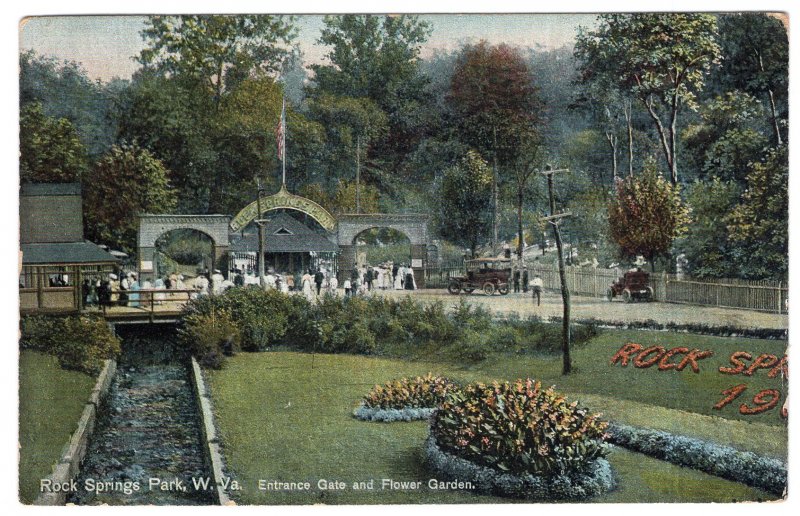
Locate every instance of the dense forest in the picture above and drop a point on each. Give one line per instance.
(673, 128)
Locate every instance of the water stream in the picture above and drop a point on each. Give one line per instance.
(146, 446)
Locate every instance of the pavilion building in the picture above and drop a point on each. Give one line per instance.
(290, 246)
(56, 259)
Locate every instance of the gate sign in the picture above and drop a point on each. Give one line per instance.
(283, 200)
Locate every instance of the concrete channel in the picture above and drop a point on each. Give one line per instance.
(148, 446)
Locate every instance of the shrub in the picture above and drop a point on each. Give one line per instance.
(421, 392)
(519, 428)
(264, 318)
(209, 337)
(81, 343)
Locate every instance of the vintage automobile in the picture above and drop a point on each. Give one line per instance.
(632, 286)
(488, 274)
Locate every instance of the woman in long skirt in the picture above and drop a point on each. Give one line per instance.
(410, 284)
(307, 290)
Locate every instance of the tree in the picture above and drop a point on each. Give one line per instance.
(216, 51)
(707, 245)
(465, 208)
(496, 107)
(50, 150)
(351, 125)
(646, 215)
(756, 50)
(64, 90)
(661, 59)
(759, 225)
(169, 118)
(125, 182)
(377, 58)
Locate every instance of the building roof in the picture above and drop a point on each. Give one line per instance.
(284, 234)
(49, 189)
(64, 253)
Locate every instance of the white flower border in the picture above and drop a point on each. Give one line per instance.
(722, 461)
(365, 413)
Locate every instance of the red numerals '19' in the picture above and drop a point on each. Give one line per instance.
(763, 401)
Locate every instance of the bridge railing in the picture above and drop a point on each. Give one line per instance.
(149, 301)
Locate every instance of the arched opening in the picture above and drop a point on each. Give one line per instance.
(294, 242)
(186, 252)
(387, 253)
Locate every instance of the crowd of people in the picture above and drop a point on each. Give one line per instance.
(113, 291)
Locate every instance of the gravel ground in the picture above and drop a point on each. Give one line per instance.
(587, 307)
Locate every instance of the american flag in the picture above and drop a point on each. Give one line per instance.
(280, 133)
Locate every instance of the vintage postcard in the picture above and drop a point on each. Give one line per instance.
(403, 259)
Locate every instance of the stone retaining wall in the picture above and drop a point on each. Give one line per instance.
(210, 441)
(68, 465)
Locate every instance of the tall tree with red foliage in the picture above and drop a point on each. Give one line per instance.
(497, 111)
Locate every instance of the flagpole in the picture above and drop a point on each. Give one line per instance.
(283, 136)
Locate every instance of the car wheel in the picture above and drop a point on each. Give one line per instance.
(488, 289)
(626, 296)
(454, 288)
(503, 289)
(609, 294)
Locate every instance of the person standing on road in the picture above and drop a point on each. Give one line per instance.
(537, 284)
(516, 280)
(525, 280)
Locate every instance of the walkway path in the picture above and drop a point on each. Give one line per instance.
(588, 307)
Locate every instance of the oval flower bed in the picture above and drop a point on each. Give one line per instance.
(518, 440)
(404, 399)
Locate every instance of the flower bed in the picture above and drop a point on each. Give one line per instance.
(517, 439)
(404, 399)
(594, 480)
(722, 461)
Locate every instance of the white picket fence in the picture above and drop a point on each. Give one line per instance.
(768, 296)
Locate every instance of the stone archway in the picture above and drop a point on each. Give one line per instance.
(413, 225)
(151, 227)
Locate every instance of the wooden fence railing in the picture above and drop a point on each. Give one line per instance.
(768, 296)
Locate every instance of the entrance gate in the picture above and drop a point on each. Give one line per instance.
(151, 227)
(414, 226)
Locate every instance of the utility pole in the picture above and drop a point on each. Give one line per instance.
(495, 195)
(358, 174)
(554, 219)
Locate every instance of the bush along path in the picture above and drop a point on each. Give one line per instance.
(146, 448)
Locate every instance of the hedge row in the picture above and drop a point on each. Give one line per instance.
(695, 328)
(255, 320)
(722, 461)
(82, 343)
(596, 479)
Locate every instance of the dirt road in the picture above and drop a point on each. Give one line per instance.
(588, 307)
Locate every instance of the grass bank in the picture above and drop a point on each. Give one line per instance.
(285, 416)
(50, 403)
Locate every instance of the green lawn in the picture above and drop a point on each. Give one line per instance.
(50, 404)
(280, 419)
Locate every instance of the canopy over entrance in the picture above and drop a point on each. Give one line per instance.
(283, 200)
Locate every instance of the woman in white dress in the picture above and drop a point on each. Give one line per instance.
(307, 289)
(398, 280)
